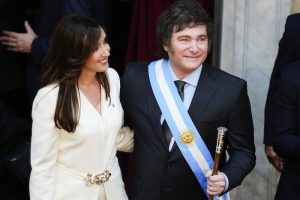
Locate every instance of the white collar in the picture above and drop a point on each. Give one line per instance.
(191, 79)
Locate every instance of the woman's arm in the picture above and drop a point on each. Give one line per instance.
(44, 144)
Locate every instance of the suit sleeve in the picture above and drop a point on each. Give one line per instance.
(79, 7)
(286, 138)
(284, 57)
(39, 48)
(124, 97)
(240, 140)
(44, 145)
(90, 8)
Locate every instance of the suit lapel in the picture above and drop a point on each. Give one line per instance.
(205, 90)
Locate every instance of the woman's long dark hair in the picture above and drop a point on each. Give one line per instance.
(74, 40)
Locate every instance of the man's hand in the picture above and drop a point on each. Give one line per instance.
(273, 158)
(18, 42)
(215, 183)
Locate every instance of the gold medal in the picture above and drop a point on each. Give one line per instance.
(187, 137)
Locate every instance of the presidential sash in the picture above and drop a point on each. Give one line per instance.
(184, 132)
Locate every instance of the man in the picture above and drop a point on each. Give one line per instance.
(164, 166)
(286, 127)
(288, 52)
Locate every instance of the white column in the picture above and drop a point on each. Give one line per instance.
(251, 31)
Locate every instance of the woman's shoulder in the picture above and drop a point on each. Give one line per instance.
(112, 73)
(48, 90)
(46, 94)
(113, 78)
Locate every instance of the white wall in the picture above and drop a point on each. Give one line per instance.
(251, 30)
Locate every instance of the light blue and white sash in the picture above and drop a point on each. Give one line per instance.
(175, 113)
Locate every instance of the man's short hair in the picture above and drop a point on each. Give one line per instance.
(179, 15)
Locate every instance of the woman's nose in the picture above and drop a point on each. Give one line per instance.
(106, 50)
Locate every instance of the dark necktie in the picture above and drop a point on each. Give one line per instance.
(180, 88)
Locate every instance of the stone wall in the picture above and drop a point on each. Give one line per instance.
(251, 31)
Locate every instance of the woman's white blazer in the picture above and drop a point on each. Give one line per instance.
(61, 160)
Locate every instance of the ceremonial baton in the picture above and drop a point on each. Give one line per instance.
(219, 148)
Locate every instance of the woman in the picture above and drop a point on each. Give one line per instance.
(77, 118)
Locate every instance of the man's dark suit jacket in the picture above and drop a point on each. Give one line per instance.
(286, 126)
(220, 99)
(288, 52)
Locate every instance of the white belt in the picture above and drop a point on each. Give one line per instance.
(88, 178)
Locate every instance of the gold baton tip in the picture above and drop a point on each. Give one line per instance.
(220, 139)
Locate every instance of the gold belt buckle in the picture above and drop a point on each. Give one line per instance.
(97, 179)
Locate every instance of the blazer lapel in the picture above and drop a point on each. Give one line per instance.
(205, 90)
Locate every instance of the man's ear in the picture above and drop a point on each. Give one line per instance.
(209, 46)
(166, 48)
